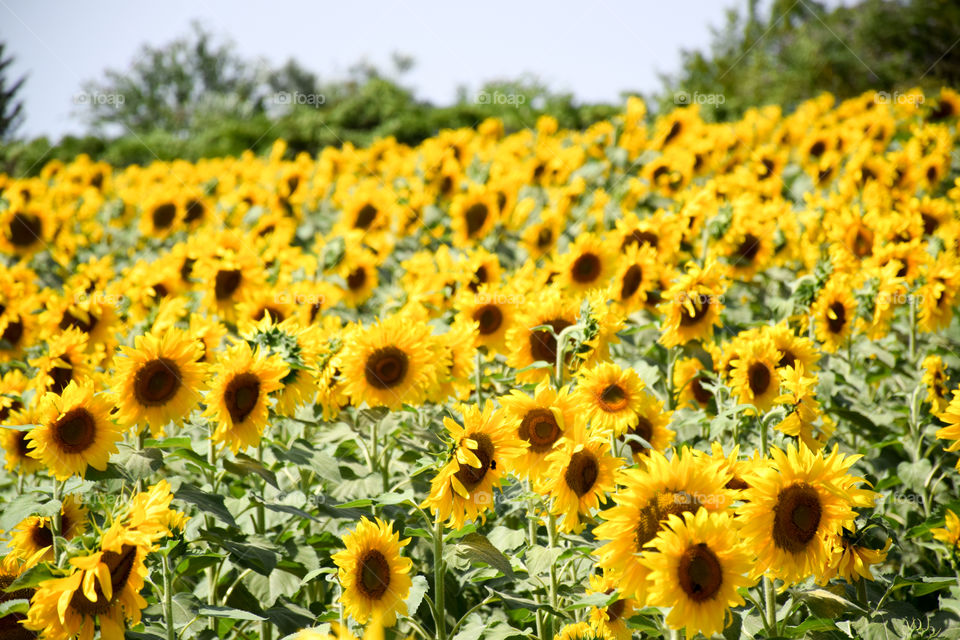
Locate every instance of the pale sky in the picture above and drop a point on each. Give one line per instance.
(592, 49)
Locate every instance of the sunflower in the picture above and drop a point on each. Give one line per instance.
(473, 215)
(651, 426)
(493, 309)
(238, 399)
(802, 408)
(359, 273)
(103, 588)
(692, 305)
(11, 627)
(949, 534)
(539, 421)
(793, 348)
(938, 295)
(834, 312)
(853, 556)
(483, 451)
(646, 497)
(32, 539)
(230, 272)
(583, 631)
(935, 379)
(611, 619)
(159, 380)
(756, 379)
(374, 576)
(610, 398)
(13, 439)
(74, 431)
(299, 348)
(689, 376)
(792, 507)
(390, 363)
(580, 475)
(149, 512)
(588, 264)
(700, 565)
(635, 276)
(65, 361)
(24, 230)
(455, 351)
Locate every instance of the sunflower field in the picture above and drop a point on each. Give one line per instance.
(655, 378)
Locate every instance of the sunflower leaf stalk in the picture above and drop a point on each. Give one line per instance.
(439, 572)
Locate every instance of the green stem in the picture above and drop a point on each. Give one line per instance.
(479, 379)
(862, 592)
(439, 572)
(671, 361)
(552, 541)
(168, 598)
(211, 570)
(913, 328)
(532, 536)
(770, 599)
(56, 522)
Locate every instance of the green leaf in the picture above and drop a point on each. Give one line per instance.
(252, 556)
(179, 442)
(417, 590)
(32, 577)
(478, 549)
(827, 604)
(227, 612)
(209, 502)
(8, 607)
(24, 506)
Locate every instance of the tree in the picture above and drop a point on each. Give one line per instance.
(800, 49)
(172, 86)
(11, 108)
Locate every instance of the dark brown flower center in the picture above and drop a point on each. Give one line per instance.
(644, 429)
(758, 377)
(701, 306)
(25, 229)
(475, 217)
(543, 345)
(76, 431)
(386, 367)
(700, 573)
(61, 376)
(13, 332)
(227, 282)
(640, 238)
(157, 382)
(365, 217)
(582, 472)
(586, 268)
(241, 396)
(657, 510)
(489, 317)
(544, 238)
(539, 427)
(163, 215)
(41, 536)
(839, 319)
(631, 281)
(612, 399)
(10, 627)
(120, 566)
(699, 392)
(195, 210)
(373, 575)
(356, 279)
(796, 517)
(471, 477)
(747, 250)
(70, 320)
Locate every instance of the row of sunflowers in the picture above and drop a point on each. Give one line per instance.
(653, 378)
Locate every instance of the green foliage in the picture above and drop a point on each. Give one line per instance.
(801, 49)
(11, 109)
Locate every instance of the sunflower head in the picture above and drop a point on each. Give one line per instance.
(374, 576)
